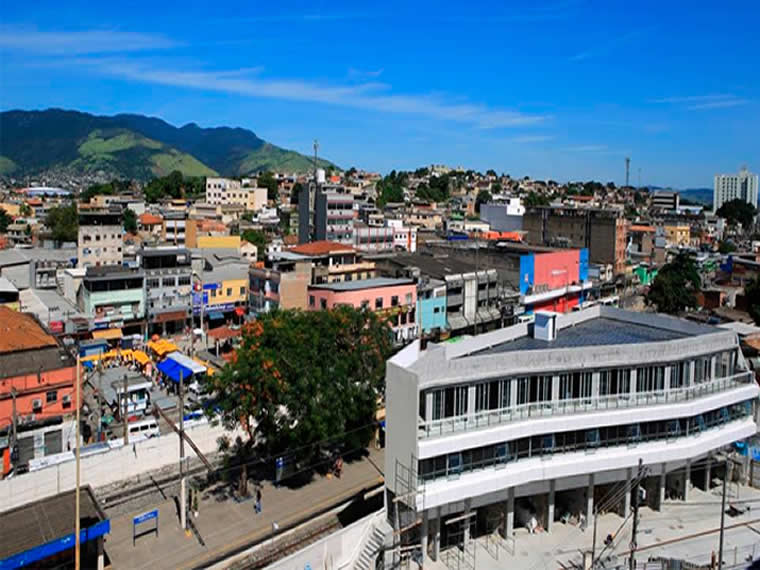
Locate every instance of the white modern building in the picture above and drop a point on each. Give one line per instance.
(531, 424)
(99, 240)
(732, 186)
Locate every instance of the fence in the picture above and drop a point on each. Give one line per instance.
(118, 464)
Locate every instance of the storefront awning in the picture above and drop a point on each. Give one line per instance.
(187, 362)
(177, 365)
(215, 316)
(141, 357)
(162, 346)
(107, 334)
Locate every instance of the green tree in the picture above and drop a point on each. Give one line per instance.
(257, 238)
(130, 221)
(171, 186)
(25, 210)
(752, 298)
(726, 247)
(738, 211)
(5, 221)
(676, 285)
(302, 383)
(63, 222)
(390, 188)
(484, 197)
(536, 199)
(268, 181)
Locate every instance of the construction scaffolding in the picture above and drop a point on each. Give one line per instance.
(404, 506)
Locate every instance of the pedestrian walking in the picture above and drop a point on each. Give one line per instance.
(257, 505)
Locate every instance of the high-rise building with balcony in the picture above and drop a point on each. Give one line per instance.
(168, 287)
(534, 421)
(742, 186)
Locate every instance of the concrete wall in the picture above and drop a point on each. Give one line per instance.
(120, 464)
(402, 410)
(334, 552)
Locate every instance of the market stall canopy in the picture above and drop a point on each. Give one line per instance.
(176, 365)
(107, 334)
(223, 333)
(162, 346)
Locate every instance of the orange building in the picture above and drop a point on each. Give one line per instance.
(36, 365)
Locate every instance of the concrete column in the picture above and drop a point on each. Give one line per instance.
(550, 510)
(687, 480)
(590, 501)
(424, 536)
(708, 472)
(632, 387)
(470, 401)
(435, 555)
(691, 373)
(555, 389)
(713, 366)
(466, 522)
(595, 385)
(667, 379)
(661, 488)
(627, 498)
(513, 393)
(509, 513)
(428, 405)
(101, 563)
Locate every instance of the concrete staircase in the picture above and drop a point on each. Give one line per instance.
(372, 546)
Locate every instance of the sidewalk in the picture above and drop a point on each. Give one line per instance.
(225, 525)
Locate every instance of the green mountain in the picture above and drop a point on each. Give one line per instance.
(133, 146)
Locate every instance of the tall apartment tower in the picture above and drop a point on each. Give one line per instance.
(732, 186)
(307, 203)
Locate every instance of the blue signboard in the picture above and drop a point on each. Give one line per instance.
(145, 517)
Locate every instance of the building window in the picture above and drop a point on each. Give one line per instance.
(51, 397)
(168, 282)
(152, 283)
(379, 303)
(323, 303)
(408, 298)
(365, 304)
(394, 301)
(183, 280)
(229, 291)
(311, 300)
(242, 290)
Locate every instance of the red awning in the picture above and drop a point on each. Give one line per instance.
(239, 311)
(223, 333)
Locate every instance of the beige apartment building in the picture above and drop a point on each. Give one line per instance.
(224, 191)
(602, 231)
(677, 234)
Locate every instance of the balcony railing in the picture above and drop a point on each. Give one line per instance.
(490, 418)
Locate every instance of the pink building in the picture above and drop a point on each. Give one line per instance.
(395, 299)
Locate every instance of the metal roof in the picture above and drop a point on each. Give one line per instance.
(363, 284)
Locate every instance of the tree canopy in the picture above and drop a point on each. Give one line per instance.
(174, 185)
(303, 383)
(752, 297)
(484, 196)
(108, 189)
(5, 220)
(391, 188)
(129, 220)
(268, 181)
(675, 287)
(536, 199)
(437, 189)
(738, 211)
(63, 222)
(257, 238)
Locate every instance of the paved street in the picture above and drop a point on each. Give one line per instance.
(224, 524)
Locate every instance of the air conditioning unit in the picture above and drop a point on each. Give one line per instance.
(36, 404)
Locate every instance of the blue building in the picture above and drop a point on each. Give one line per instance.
(431, 306)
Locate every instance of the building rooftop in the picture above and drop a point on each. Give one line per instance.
(148, 219)
(600, 331)
(19, 331)
(46, 520)
(323, 247)
(363, 284)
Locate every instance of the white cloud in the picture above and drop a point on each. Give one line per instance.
(80, 42)
(703, 102)
(588, 148)
(371, 96)
(364, 74)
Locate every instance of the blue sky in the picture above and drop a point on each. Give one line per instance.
(563, 89)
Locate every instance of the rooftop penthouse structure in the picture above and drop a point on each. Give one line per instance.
(535, 421)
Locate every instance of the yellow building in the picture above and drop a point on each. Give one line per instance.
(677, 234)
(218, 242)
(226, 292)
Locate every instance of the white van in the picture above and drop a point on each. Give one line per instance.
(143, 429)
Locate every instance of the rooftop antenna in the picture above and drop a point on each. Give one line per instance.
(316, 148)
(627, 169)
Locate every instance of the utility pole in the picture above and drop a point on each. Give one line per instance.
(100, 397)
(125, 417)
(183, 482)
(635, 529)
(77, 546)
(627, 170)
(722, 516)
(15, 425)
